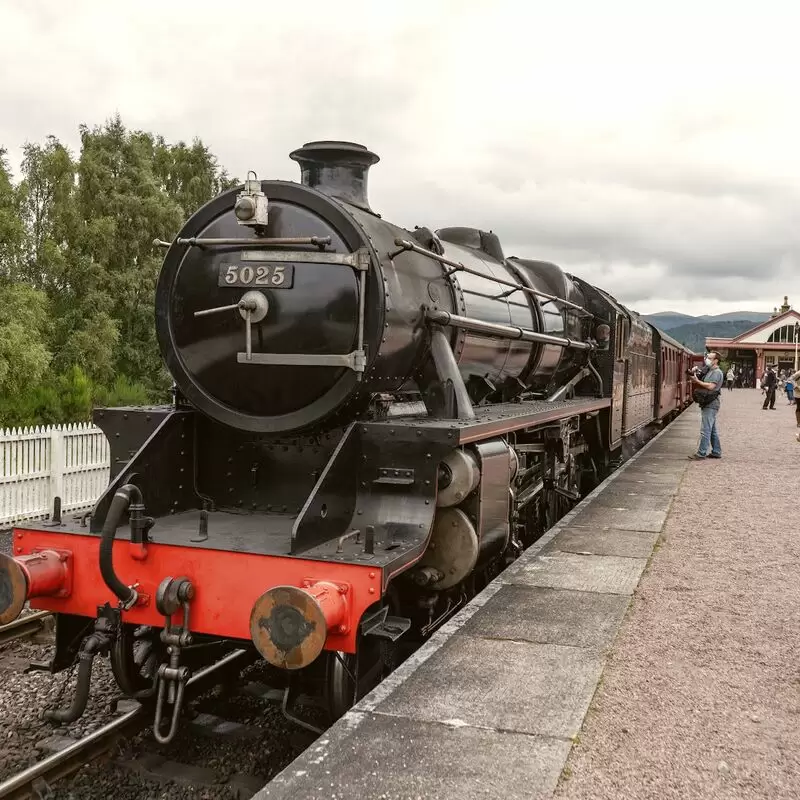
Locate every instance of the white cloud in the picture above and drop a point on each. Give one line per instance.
(655, 147)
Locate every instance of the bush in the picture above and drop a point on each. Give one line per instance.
(35, 405)
(68, 397)
(123, 392)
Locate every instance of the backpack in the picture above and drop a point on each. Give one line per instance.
(704, 397)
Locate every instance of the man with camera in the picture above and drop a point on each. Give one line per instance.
(707, 384)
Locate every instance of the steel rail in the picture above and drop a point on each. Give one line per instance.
(22, 627)
(27, 783)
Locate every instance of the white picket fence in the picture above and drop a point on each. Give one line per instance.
(41, 463)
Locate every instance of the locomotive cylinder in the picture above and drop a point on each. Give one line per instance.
(289, 624)
(43, 574)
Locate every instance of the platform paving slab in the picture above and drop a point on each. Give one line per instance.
(490, 705)
(404, 759)
(585, 573)
(656, 473)
(633, 502)
(650, 488)
(549, 616)
(640, 519)
(502, 685)
(587, 541)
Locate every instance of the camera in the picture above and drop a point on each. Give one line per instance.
(698, 371)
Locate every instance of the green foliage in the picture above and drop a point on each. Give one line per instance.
(59, 399)
(24, 355)
(90, 344)
(78, 269)
(12, 230)
(75, 393)
(37, 404)
(123, 392)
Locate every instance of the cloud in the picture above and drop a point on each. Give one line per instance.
(656, 151)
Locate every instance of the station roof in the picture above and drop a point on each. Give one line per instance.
(760, 334)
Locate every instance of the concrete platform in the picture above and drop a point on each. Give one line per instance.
(491, 705)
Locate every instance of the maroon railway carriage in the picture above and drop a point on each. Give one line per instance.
(674, 361)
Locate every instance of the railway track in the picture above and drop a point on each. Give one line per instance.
(23, 627)
(36, 780)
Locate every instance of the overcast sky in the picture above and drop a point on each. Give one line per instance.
(655, 153)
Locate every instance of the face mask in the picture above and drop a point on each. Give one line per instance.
(708, 362)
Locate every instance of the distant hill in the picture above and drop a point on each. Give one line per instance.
(693, 331)
(737, 316)
(694, 334)
(667, 320)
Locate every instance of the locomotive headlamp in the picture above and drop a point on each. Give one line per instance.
(251, 204)
(245, 208)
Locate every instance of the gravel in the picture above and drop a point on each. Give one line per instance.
(23, 698)
(701, 695)
(270, 744)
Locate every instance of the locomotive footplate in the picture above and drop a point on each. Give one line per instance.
(498, 419)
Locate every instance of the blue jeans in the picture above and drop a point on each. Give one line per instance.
(708, 432)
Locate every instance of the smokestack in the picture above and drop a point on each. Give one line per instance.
(338, 169)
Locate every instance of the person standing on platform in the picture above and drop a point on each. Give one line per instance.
(770, 384)
(796, 383)
(706, 395)
(729, 379)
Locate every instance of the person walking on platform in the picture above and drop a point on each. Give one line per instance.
(706, 395)
(771, 385)
(729, 379)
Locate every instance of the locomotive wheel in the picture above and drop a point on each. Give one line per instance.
(135, 656)
(349, 677)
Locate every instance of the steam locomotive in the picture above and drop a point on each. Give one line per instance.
(368, 424)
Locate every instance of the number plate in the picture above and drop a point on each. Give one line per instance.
(266, 276)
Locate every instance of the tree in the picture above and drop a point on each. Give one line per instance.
(124, 207)
(46, 208)
(12, 230)
(78, 263)
(24, 355)
(190, 176)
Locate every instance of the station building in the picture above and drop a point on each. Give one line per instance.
(771, 343)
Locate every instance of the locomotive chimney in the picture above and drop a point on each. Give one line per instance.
(338, 169)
